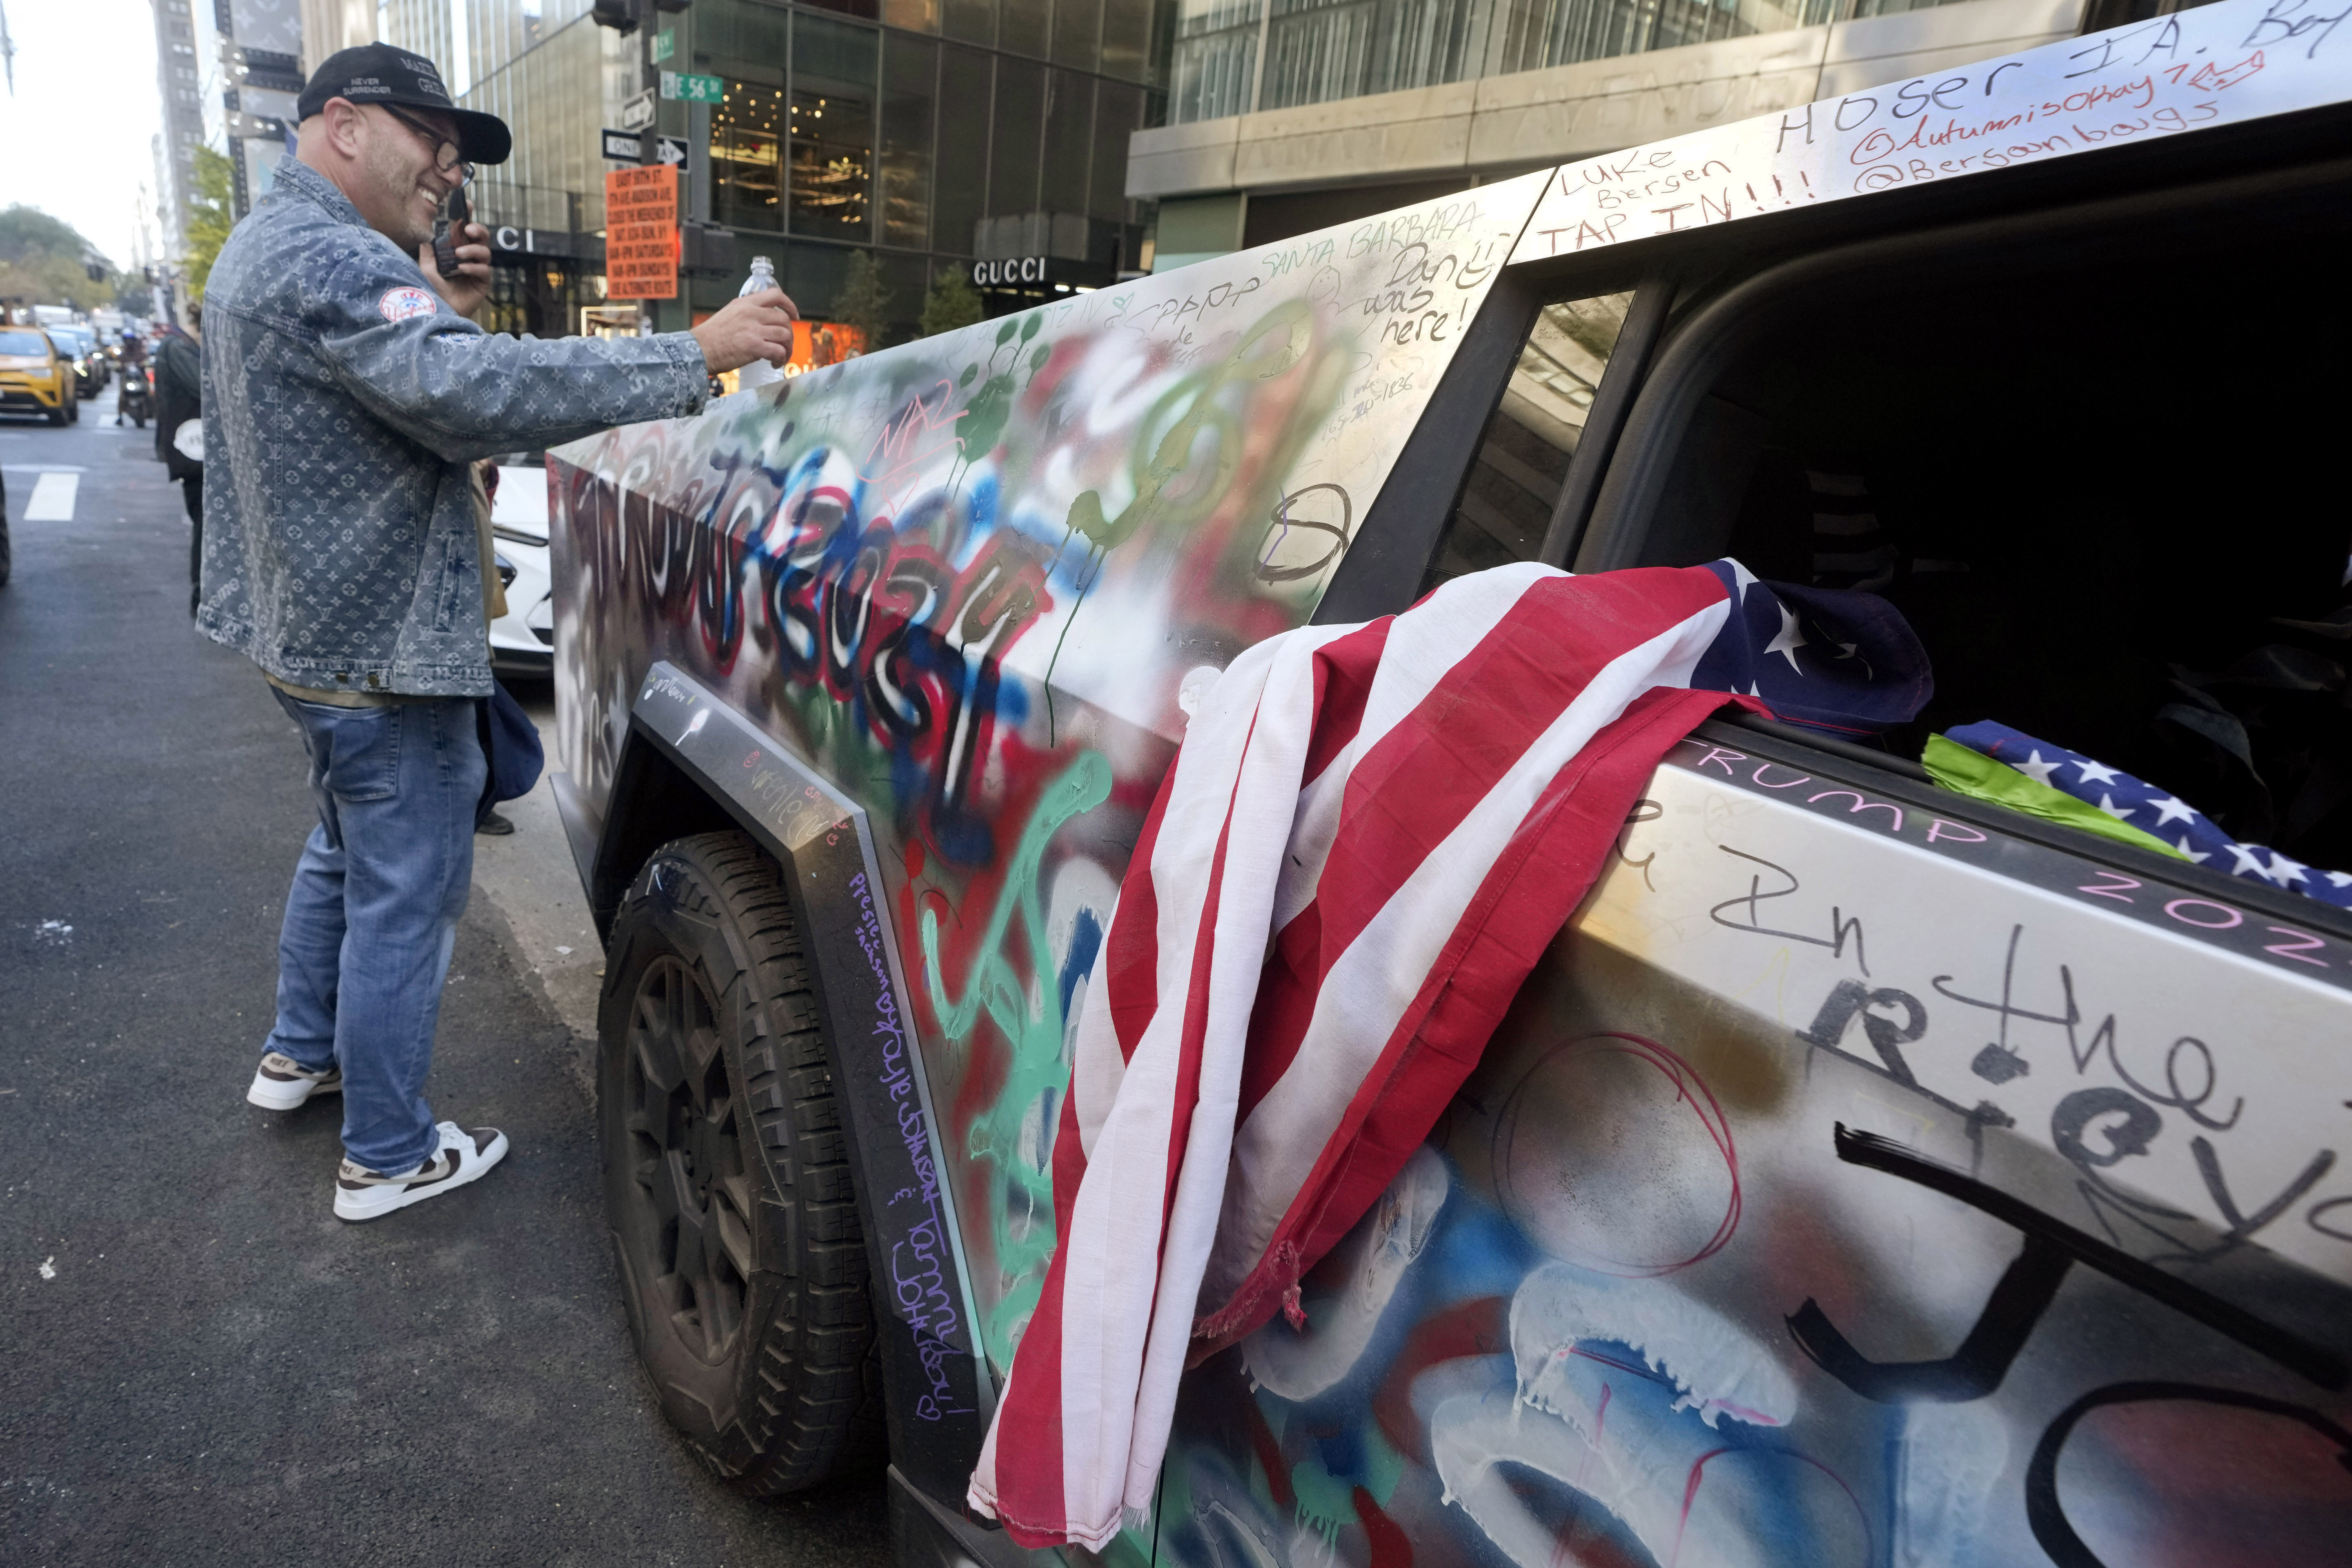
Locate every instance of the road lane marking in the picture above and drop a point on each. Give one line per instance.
(53, 498)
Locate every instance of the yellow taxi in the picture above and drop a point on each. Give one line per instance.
(36, 377)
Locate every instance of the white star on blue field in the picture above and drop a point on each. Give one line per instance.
(2153, 811)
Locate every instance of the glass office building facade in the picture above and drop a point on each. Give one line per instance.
(929, 133)
(1236, 57)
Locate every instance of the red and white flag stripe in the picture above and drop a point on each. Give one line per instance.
(1369, 837)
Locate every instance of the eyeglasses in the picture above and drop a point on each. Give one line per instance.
(447, 157)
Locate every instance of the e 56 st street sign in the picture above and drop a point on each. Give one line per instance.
(686, 86)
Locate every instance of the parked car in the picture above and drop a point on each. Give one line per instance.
(522, 640)
(1869, 1173)
(37, 376)
(91, 367)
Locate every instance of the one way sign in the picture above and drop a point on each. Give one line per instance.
(621, 147)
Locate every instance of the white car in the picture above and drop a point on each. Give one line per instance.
(522, 641)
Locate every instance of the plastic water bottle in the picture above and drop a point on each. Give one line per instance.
(758, 372)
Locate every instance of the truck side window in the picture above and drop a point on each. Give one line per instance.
(1507, 503)
(2090, 551)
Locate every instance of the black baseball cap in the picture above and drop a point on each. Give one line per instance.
(380, 73)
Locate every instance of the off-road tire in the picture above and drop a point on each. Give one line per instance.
(729, 1193)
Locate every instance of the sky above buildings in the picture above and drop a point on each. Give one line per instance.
(76, 131)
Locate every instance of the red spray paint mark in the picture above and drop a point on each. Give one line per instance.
(1474, 1328)
(1690, 1496)
(1269, 1458)
(1600, 1430)
(1389, 1546)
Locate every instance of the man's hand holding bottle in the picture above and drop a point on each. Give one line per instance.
(752, 327)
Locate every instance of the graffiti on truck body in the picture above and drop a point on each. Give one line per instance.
(971, 580)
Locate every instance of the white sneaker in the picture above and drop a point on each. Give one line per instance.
(362, 1194)
(281, 1083)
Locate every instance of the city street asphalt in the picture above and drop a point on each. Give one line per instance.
(203, 1365)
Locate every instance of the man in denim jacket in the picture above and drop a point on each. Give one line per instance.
(345, 395)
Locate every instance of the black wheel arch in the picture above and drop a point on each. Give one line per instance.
(652, 800)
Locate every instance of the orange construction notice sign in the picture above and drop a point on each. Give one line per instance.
(641, 241)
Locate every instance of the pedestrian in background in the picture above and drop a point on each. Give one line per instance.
(179, 404)
(347, 396)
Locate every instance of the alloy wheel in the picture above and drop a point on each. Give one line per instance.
(692, 1163)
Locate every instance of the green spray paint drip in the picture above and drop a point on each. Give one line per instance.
(1027, 1010)
(1325, 1501)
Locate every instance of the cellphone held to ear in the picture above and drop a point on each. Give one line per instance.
(452, 222)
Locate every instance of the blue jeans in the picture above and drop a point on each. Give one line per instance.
(373, 913)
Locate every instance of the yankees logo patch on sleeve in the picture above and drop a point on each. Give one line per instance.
(404, 304)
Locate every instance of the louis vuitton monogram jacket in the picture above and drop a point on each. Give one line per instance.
(343, 401)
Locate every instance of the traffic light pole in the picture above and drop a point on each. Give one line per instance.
(703, 246)
(648, 139)
(648, 82)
